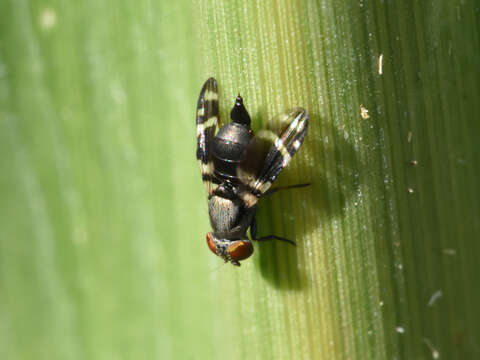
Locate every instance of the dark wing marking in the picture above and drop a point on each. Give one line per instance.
(282, 148)
(207, 120)
(256, 152)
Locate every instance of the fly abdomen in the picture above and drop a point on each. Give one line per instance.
(229, 149)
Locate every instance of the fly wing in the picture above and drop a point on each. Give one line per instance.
(207, 120)
(261, 166)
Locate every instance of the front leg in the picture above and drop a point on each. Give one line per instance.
(253, 234)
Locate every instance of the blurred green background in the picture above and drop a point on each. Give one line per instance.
(103, 215)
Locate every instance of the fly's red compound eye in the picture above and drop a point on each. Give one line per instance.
(240, 250)
(211, 243)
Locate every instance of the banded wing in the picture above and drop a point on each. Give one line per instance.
(207, 120)
(259, 170)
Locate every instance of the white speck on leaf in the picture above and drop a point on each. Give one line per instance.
(48, 19)
(451, 252)
(435, 353)
(364, 112)
(380, 64)
(435, 296)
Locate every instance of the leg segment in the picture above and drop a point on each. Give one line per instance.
(253, 233)
(274, 190)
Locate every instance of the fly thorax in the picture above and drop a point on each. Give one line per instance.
(224, 213)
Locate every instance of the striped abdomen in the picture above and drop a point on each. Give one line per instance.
(229, 149)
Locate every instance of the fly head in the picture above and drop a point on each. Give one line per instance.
(229, 250)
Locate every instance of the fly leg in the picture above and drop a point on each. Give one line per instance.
(274, 190)
(253, 233)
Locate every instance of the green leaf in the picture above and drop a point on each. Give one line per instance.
(103, 214)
